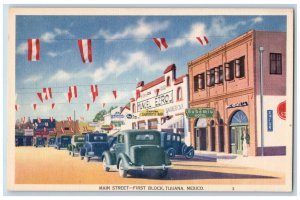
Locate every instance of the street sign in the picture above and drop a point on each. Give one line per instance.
(199, 112)
(156, 112)
(270, 120)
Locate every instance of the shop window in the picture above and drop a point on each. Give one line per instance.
(275, 63)
(229, 71)
(152, 124)
(168, 81)
(240, 67)
(179, 94)
(133, 125)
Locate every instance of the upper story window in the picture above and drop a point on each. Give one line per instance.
(275, 63)
(168, 81)
(179, 94)
(133, 108)
(219, 74)
(229, 71)
(210, 77)
(240, 67)
(199, 82)
(196, 83)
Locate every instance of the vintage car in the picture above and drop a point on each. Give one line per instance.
(51, 142)
(76, 143)
(94, 146)
(137, 150)
(19, 140)
(28, 140)
(39, 141)
(172, 144)
(62, 141)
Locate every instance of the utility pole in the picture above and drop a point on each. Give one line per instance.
(261, 50)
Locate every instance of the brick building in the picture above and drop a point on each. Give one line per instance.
(227, 79)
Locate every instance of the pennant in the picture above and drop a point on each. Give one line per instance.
(52, 105)
(62, 130)
(203, 40)
(33, 49)
(137, 94)
(157, 91)
(87, 106)
(34, 106)
(72, 130)
(51, 119)
(161, 43)
(94, 91)
(47, 93)
(85, 48)
(115, 93)
(72, 92)
(39, 94)
(23, 120)
(17, 107)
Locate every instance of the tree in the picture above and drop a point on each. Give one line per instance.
(100, 116)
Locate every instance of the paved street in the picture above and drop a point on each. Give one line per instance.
(51, 166)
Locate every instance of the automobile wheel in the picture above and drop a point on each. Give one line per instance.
(69, 153)
(72, 153)
(122, 171)
(162, 173)
(87, 159)
(104, 165)
(183, 149)
(81, 157)
(189, 154)
(171, 153)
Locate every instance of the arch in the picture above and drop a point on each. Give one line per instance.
(168, 81)
(238, 118)
(200, 123)
(179, 93)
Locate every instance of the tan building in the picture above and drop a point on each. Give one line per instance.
(227, 80)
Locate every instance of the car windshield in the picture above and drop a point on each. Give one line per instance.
(79, 139)
(65, 138)
(97, 138)
(144, 137)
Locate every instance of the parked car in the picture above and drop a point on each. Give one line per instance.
(137, 150)
(28, 140)
(95, 144)
(51, 142)
(19, 140)
(77, 142)
(173, 145)
(39, 141)
(62, 141)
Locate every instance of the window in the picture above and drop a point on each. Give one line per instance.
(229, 71)
(220, 74)
(210, 77)
(168, 81)
(196, 83)
(201, 81)
(275, 63)
(179, 94)
(121, 139)
(178, 139)
(133, 108)
(240, 67)
(144, 137)
(66, 128)
(168, 137)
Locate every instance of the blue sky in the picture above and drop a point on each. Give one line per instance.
(123, 54)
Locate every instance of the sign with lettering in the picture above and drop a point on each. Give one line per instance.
(160, 100)
(199, 112)
(174, 108)
(270, 120)
(117, 115)
(157, 112)
(131, 116)
(117, 123)
(241, 104)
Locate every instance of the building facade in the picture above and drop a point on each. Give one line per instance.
(168, 95)
(227, 79)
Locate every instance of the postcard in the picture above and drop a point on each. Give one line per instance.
(150, 99)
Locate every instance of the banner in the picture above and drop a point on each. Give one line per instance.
(156, 112)
(199, 112)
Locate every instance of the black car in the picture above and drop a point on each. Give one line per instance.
(62, 141)
(39, 141)
(173, 145)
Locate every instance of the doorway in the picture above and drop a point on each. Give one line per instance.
(201, 134)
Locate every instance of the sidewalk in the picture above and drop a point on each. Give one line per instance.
(272, 163)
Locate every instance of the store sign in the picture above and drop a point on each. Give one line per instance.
(270, 120)
(174, 108)
(160, 100)
(199, 112)
(117, 123)
(106, 127)
(117, 115)
(281, 110)
(130, 116)
(93, 124)
(157, 112)
(240, 104)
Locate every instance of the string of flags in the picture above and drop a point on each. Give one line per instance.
(85, 47)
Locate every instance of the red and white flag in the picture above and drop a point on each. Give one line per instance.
(52, 105)
(39, 120)
(161, 43)
(51, 119)
(23, 120)
(34, 106)
(115, 93)
(39, 94)
(17, 107)
(87, 106)
(94, 91)
(85, 48)
(69, 119)
(157, 91)
(62, 129)
(47, 93)
(72, 130)
(72, 92)
(33, 49)
(203, 40)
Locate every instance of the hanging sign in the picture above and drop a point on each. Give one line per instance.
(156, 112)
(160, 100)
(199, 112)
(240, 104)
(270, 120)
